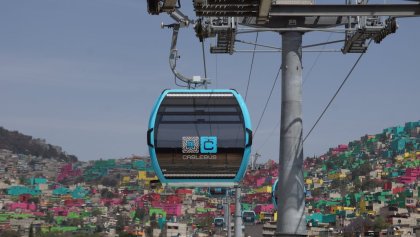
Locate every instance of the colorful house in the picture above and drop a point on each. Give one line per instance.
(322, 218)
(18, 190)
(21, 205)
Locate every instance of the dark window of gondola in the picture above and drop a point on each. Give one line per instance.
(202, 116)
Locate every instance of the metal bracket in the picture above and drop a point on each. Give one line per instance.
(173, 57)
(368, 28)
(182, 21)
(224, 28)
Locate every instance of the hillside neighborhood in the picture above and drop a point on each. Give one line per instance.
(368, 187)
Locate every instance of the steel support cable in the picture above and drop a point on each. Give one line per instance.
(255, 44)
(315, 62)
(250, 69)
(204, 59)
(269, 136)
(216, 67)
(279, 49)
(266, 103)
(335, 94)
(217, 70)
(306, 77)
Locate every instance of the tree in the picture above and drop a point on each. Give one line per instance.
(409, 147)
(352, 200)
(153, 221)
(357, 185)
(380, 223)
(125, 234)
(368, 184)
(316, 192)
(75, 222)
(121, 223)
(105, 193)
(140, 214)
(335, 184)
(205, 221)
(34, 200)
(329, 165)
(31, 230)
(9, 233)
(96, 212)
(148, 231)
(49, 217)
(22, 180)
(124, 200)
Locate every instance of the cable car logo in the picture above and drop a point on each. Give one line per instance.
(208, 145)
(194, 145)
(190, 145)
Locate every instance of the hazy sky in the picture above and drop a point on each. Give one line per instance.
(84, 75)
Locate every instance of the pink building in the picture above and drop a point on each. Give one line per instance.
(22, 205)
(398, 190)
(38, 213)
(183, 191)
(260, 181)
(173, 199)
(74, 202)
(411, 175)
(173, 209)
(68, 171)
(264, 208)
(24, 197)
(170, 209)
(340, 148)
(60, 211)
(274, 172)
(111, 201)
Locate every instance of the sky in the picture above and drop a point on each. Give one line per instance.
(85, 74)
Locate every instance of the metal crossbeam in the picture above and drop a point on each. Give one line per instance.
(237, 10)
(263, 11)
(396, 10)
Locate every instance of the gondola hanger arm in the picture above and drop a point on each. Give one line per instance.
(182, 21)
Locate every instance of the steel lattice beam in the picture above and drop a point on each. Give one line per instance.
(397, 10)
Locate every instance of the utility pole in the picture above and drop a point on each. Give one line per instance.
(238, 214)
(291, 197)
(227, 214)
(254, 159)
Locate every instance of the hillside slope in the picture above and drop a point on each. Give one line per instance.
(27, 145)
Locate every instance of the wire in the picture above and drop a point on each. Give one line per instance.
(250, 69)
(280, 49)
(335, 94)
(266, 103)
(204, 59)
(306, 77)
(217, 70)
(269, 136)
(255, 44)
(315, 62)
(179, 84)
